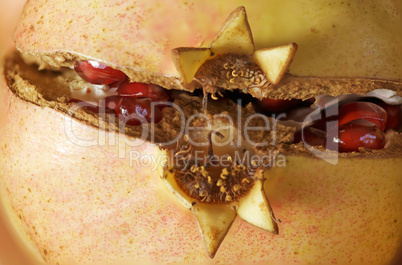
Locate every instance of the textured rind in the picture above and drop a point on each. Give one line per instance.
(335, 39)
(304, 88)
(77, 201)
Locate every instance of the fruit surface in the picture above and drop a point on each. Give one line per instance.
(80, 202)
(315, 25)
(343, 194)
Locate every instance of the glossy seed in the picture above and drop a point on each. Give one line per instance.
(360, 133)
(97, 73)
(363, 110)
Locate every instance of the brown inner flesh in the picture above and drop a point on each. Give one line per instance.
(32, 85)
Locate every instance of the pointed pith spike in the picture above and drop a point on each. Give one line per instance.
(256, 210)
(214, 222)
(189, 60)
(235, 36)
(275, 61)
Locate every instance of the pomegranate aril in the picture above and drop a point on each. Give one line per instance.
(118, 83)
(132, 89)
(277, 105)
(97, 73)
(85, 105)
(310, 136)
(326, 119)
(363, 110)
(133, 111)
(89, 107)
(394, 119)
(360, 133)
(141, 90)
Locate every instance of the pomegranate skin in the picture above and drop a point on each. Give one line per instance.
(83, 204)
(142, 33)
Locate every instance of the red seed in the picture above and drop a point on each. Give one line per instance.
(277, 105)
(311, 136)
(141, 90)
(133, 111)
(394, 112)
(97, 73)
(97, 109)
(360, 133)
(326, 119)
(363, 110)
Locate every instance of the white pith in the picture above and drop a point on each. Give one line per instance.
(93, 93)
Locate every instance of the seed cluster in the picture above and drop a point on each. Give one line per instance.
(215, 186)
(230, 71)
(207, 183)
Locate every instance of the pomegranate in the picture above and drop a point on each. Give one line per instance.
(360, 124)
(360, 133)
(394, 114)
(363, 110)
(118, 214)
(277, 105)
(133, 102)
(141, 90)
(80, 190)
(98, 73)
(311, 136)
(133, 111)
